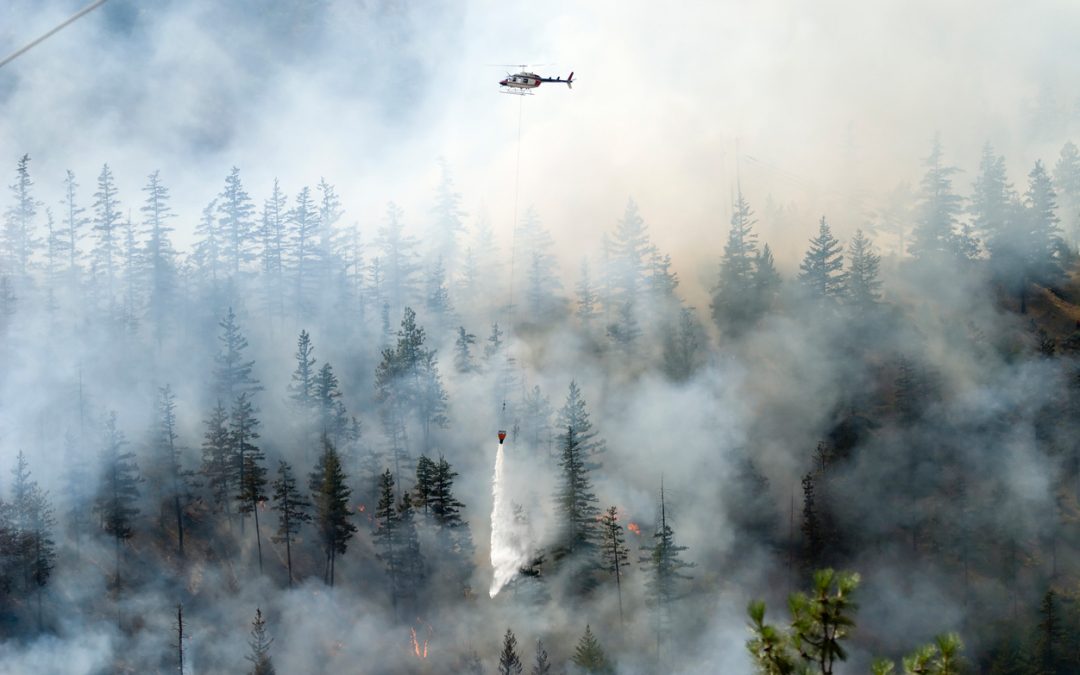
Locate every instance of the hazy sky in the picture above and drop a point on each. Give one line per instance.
(827, 99)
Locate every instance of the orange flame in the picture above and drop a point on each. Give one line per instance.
(361, 508)
(421, 652)
(633, 527)
(262, 504)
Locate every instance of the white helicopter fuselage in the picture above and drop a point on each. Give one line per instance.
(522, 81)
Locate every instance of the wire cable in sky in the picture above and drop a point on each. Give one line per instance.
(67, 22)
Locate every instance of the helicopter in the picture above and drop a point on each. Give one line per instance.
(522, 82)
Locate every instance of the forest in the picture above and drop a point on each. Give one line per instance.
(274, 451)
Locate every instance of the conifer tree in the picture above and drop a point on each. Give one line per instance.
(302, 388)
(936, 233)
(541, 666)
(1050, 650)
(542, 284)
(1067, 185)
(863, 284)
(821, 271)
(463, 358)
(577, 513)
(19, 239)
(106, 221)
(116, 503)
(236, 222)
(438, 297)
(28, 540)
(209, 251)
(536, 420)
(232, 374)
(509, 663)
(274, 250)
(74, 222)
(992, 200)
(447, 223)
(384, 530)
(170, 459)
(684, 346)
(218, 466)
(732, 301)
(333, 420)
(494, 342)
(260, 647)
(765, 282)
(304, 221)
(330, 496)
(251, 477)
(663, 569)
(629, 255)
(587, 298)
(821, 620)
(398, 260)
(589, 655)
(292, 507)
(575, 415)
(160, 255)
(1042, 231)
(614, 554)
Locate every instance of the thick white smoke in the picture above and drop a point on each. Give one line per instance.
(509, 545)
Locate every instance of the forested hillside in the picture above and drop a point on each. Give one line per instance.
(277, 444)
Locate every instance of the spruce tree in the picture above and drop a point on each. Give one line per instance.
(821, 271)
(663, 570)
(541, 666)
(684, 346)
(587, 298)
(333, 420)
(117, 500)
(732, 300)
(304, 221)
(1067, 185)
(577, 514)
(992, 200)
(494, 342)
(292, 507)
(463, 358)
(937, 235)
(106, 222)
(251, 474)
(260, 647)
(302, 388)
(438, 301)
(614, 554)
(765, 282)
(575, 415)
(1043, 234)
(384, 530)
(74, 222)
(542, 284)
(236, 222)
(589, 655)
(232, 374)
(863, 284)
(509, 663)
(19, 239)
(208, 253)
(330, 495)
(218, 466)
(28, 541)
(398, 260)
(274, 251)
(170, 459)
(160, 255)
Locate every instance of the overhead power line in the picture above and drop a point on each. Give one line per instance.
(67, 22)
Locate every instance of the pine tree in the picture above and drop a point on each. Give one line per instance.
(813, 536)
(160, 255)
(292, 507)
(1043, 234)
(732, 301)
(575, 415)
(398, 259)
(577, 513)
(821, 620)
(1050, 651)
(260, 647)
(936, 233)
(236, 222)
(615, 556)
(208, 254)
(333, 420)
(821, 271)
(992, 200)
(463, 358)
(587, 299)
(304, 219)
(863, 284)
(74, 222)
(330, 212)
(251, 476)
(274, 250)
(684, 346)
(106, 221)
(19, 240)
(589, 655)
(29, 535)
(170, 458)
(384, 530)
(330, 495)
(541, 666)
(116, 503)
(765, 282)
(302, 388)
(630, 252)
(217, 461)
(509, 663)
(663, 572)
(232, 374)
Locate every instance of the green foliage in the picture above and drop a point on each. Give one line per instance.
(292, 507)
(330, 496)
(589, 655)
(509, 663)
(821, 271)
(260, 647)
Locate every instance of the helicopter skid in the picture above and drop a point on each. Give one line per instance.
(516, 93)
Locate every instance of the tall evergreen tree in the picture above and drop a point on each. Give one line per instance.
(614, 554)
(107, 220)
(260, 647)
(937, 233)
(303, 249)
(684, 346)
(447, 224)
(30, 540)
(589, 655)
(463, 358)
(575, 415)
(542, 284)
(992, 199)
(232, 374)
(732, 300)
(398, 260)
(663, 569)
(208, 255)
(1043, 233)
(217, 460)
(822, 269)
(19, 239)
(587, 298)
(333, 420)
(177, 479)
(330, 495)
(248, 459)
(292, 507)
(118, 494)
(302, 388)
(577, 514)
(541, 666)
(438, 296)
(863, 284)
(74, 222)
(509, 663)
(236, 221)
(629, 256)
(1067, 185)
(160, 255)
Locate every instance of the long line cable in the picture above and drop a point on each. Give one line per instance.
(67, 22)
(513, 253)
